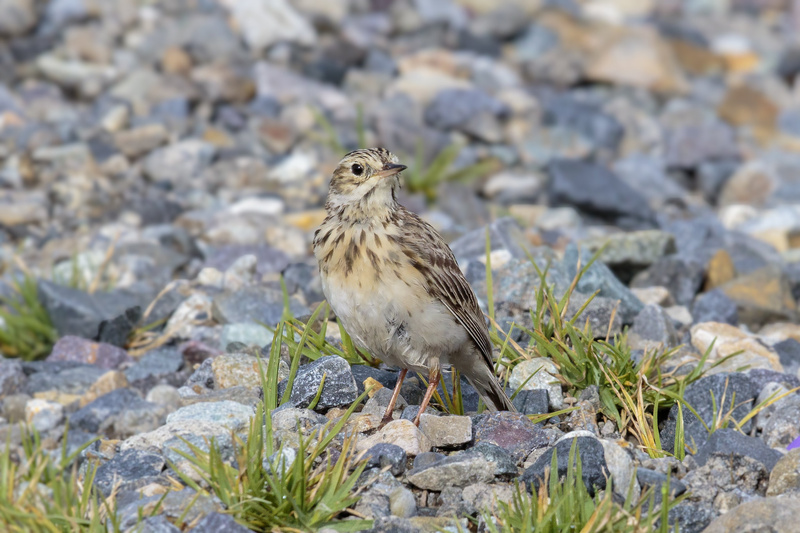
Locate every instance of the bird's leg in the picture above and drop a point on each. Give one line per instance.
(387, 417)
(433, 382)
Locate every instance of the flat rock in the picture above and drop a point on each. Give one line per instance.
(512, 432)
(446, 431)
(768, 514)
(231, 415)
(130, 469)
(459, 470)
(728, 442)
(339, 388)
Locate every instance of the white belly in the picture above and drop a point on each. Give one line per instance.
(402, 327)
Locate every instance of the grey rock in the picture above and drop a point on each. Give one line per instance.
(216, 522)
(75, 312)
(100, 413)
(504, 463)
(513, 432)
(156, 524)
(788, 351)
(12, 377)
(155, 364)
(14, 407)
(768, 514)
(592, 457)
(647, 175)
(596, 191)
(338, 390)
(425, 459)
(650, 478)
(131, 468)
(691, 517)
(681, 275)
(690, 145)
(383, 454)
(70, 378)
(764, 376)
(201, 380)
(599, 128)
(782, 424)
(785, 475)
(402, 502)
(598, 313)
(456, 108)
(232, 415)
(269, 259)
(115, 331)
(184, 504)
(698, 395)
(254, 305)
(457, 470)
(715, 306)
(653, 328)
(80, 350)
(530, 402)
(17, 17)
(728, 442)
(179, 163)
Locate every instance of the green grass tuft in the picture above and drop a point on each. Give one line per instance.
(25, 327)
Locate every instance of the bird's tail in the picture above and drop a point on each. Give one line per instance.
(490, 389)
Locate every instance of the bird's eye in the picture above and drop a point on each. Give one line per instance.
(357, 169)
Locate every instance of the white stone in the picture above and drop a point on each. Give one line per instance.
(542, 379)
(401, 433)
(43, 414)
(263, 23)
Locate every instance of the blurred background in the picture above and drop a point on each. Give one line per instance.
(144, 142)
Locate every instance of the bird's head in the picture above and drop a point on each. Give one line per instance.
(366, 179)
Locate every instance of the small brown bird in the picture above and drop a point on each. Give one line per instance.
(395, 284)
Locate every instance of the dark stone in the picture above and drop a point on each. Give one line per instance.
(595, 190)
(789, 352)
(131, 468)
(302, 277)
(789, 64)
(254, 305)
(426, 459)
(650, 478)
(75, 312)
(530, 402)
(454, 108)
(728, 441)
(12, 377)
(715, 306)
(504, 462)
(681, 275)
(91, 416)
(513, 432)
(654, 325)
(67, 377)
(592, 457)
(739, 392)
(117, 330)
(713, 175)
(762, 376)
(80, 350)
(589, 121)
(156, 364)
(688, 146)
(338, 390)
(383, 455)
(385, 377)
(218, 522)
(691, 517)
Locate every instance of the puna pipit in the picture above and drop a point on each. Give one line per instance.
(395, 284)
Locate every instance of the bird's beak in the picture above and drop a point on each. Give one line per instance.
(389, 170)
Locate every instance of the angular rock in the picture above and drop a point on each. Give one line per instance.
(339, 388)
(458, 470)
(595, 190)
(155, 364)
(698, 395)
(80, 350)
(762, 296)
(653, 330)
(254, 305)
(728, 442)
(531, 402)
(236, 369)
(12, 377)
(232, 415)
(538, 373)
(215, 522)
(179, 163)
(446, 431)
(681, 275)
(715, 306)
(43, 415)
(130, 469)
(592, 457)
(512, 432)
(384, 454)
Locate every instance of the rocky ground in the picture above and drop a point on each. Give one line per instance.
(163, 165)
